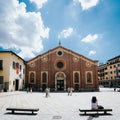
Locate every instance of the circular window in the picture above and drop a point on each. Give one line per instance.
(59, 64)
(59, 53)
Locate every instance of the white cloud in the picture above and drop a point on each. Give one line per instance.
(25, 51)
(87, 4)
(90, 38)
(39, 3)
(92, 52)
(21, 30)
(66, 33)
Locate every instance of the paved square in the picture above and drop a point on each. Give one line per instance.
(59, 106)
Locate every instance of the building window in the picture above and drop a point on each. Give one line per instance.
(20, 67)
(106, 73)
(17, 68)
(89, 77)
(14, 65)
(17, 65)
(60, 64)
(44, 77)
(24, 71)
(1, 79)
(76, 78)
(1, 64)
(23, 81)
(1, 82)
(32, 77)
(110, 67)
(59, 53)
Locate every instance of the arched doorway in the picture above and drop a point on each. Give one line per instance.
(60, 81)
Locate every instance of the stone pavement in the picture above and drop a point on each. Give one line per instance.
(58, 106)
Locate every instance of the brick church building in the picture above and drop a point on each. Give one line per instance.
(61, 68)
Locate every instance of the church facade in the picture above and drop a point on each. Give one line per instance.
(60, 69)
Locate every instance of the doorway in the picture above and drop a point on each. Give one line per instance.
(44, 87)
(60, 85)
(16, 84)
(60, 81)
(76, 86)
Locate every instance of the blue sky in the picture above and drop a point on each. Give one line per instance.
(88, 27)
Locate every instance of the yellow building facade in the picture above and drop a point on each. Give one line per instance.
(12, 71)
(109, 73)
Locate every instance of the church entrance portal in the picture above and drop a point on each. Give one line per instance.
(60, 81)
(60, 85)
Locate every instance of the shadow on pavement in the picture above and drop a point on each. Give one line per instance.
(90, 118)
(9, 113)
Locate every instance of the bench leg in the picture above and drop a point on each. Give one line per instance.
(84, 113)
(32, 112)
(97, 112)
(105, 112)
(12, 111)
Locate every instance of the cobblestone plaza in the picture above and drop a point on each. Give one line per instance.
(58, 106)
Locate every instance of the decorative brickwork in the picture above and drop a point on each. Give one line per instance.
(62, 68)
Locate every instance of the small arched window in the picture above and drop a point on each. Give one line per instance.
(32, 77)
(44, 77)
(89, 77)
(76, 78)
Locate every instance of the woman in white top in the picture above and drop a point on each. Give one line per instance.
(94, 103)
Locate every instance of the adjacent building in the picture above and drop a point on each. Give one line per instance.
(109, 73)
(61, 68)
(12, 71)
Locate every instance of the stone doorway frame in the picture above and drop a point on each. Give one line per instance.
(60, 76)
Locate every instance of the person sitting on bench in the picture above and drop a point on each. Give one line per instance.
(94, 104)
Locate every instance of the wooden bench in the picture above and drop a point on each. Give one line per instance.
(23, 109)
(95, 111)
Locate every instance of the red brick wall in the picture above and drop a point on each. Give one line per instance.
(70, 65)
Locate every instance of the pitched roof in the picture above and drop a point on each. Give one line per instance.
(13, 53)
(61, 47)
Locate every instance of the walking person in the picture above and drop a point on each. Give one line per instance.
(71, 91)
(30, 89)
(68, 91)
(47, 92)
(27, 89)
